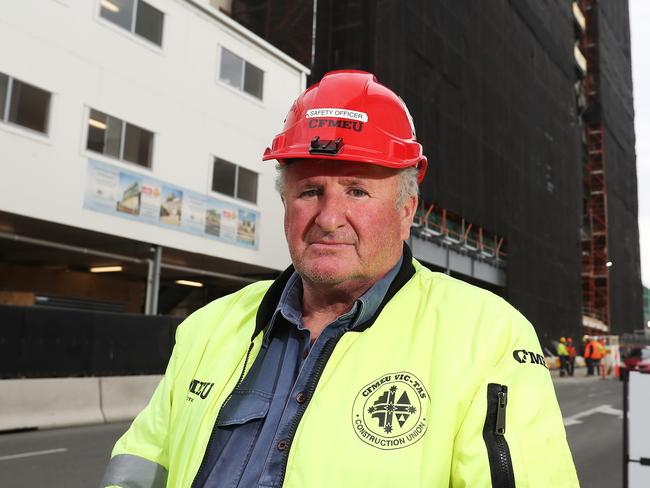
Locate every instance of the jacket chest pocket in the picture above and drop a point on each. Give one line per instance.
(240, 420)
(236, 431)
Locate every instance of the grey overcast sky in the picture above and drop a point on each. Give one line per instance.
(640, 28)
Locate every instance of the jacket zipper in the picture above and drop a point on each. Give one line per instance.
(328, 348)
(199, 473)
(494, 431)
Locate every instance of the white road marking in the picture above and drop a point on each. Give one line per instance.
(606, 409)
(33, 453)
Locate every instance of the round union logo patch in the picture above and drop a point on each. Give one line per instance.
(391, 412)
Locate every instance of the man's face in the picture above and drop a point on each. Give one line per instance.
(341, 221)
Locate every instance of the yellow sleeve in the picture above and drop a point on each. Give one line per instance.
(534, 437)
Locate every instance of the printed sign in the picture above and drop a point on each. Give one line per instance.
(339, 113)
(114, 191)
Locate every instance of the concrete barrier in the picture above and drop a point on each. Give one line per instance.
(122, 397)
(49, 402)
(60, 402)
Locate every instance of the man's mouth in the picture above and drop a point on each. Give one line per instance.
(330, 243)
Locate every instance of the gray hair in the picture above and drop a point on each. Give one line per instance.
(408, 187)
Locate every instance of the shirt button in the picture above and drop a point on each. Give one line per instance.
(283, 444)
(301, 397)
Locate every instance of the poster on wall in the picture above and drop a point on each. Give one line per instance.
(228, 223)
(171, 203)
(246, 226)
(122, 193)
(213, 222)
(193, 213)
(150, 201)
(129, 191)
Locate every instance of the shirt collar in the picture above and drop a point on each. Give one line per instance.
(290, 304)
(371, 299)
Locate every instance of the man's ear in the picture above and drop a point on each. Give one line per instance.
(407, 212)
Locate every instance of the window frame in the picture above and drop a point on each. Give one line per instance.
(4, 116)
(240, 89)
(235, 195)
(130, 32)
(92, 153)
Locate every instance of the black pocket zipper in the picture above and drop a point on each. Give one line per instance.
(494, 431)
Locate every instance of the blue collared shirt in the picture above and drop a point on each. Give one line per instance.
(256, 426)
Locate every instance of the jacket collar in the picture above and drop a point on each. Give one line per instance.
(272, 296)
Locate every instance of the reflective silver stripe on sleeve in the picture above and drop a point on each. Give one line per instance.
(128, 471)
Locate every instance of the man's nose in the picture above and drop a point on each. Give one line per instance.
(331, 212)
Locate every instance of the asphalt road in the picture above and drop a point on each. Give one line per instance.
(58, 458)
(593, 418)
(76, 457)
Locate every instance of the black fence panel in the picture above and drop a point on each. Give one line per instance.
(46, 343)
(131, 344)
(12, 338)
(59, 339)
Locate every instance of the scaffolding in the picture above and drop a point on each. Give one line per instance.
(435, 223)
(595, 260)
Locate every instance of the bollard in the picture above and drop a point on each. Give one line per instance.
(602, 370)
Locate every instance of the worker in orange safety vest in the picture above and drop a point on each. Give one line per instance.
(594, 352)
(571, 366)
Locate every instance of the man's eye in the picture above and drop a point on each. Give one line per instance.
(358, 192)
(313, 192)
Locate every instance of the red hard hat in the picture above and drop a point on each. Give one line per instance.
(349, 116)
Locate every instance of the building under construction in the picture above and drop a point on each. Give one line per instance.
(525, 112)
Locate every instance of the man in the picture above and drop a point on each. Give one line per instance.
(571, 350)
(587, 353)
(597, 354)
(357, 366)
(563, 353)
(594, 352)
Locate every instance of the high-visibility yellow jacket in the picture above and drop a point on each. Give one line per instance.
(446, 387)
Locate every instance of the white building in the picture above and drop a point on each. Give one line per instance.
(131, 135)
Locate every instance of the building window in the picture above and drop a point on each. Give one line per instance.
(24, 104)
(241, 74)
(113, 137)
(233, 180)
(135, 16)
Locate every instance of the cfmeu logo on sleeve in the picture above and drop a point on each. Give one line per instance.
(523, 356)
(200, 388)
